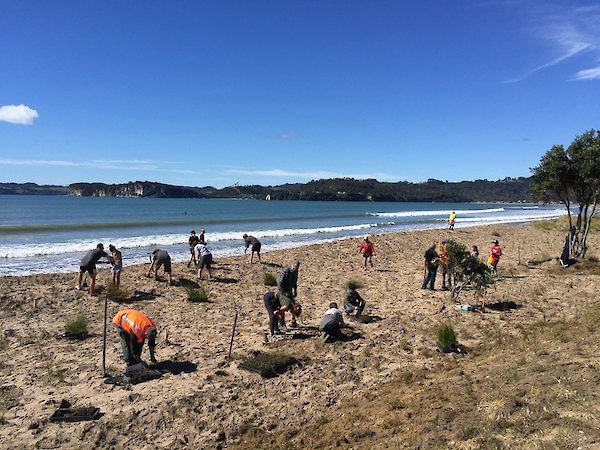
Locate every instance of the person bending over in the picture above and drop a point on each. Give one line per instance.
(134, 328)
(255, 243)
(88, 264)
(160, 258)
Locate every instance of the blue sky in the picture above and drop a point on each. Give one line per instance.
(201, 93)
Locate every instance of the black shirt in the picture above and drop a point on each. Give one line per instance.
(430, 256)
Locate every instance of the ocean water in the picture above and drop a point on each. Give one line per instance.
(50, 234)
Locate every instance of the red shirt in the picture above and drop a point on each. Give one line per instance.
(496, 252)
(367, 249)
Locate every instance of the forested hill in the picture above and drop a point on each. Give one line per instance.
(31, 189)
(339, 189)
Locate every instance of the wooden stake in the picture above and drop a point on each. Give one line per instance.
(104, 337)
(232, 334)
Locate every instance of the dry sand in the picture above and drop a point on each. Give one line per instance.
(387, 388)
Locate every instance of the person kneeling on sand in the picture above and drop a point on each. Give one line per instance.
(134, 328)
(159, 258)
(353, 301)
(204, 256)
(331, 323)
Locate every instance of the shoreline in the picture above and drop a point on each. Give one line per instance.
(218, 398)
(182, 255)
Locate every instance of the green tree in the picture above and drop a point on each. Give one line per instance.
(573, 177)
(465, 270)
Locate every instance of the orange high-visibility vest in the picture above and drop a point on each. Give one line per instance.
(134, 321)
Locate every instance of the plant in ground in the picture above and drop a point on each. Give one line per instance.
(445, 335)
(464, 269)
(269, 279)
(573, 177)
(118, 293)
(198, 294)
(77, 325)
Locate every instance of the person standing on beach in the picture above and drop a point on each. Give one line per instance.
(353, 301)
(444, 261)
(192, 241)
(368, 251)
(160, 258)
(431, 262)
(202, 239)
(451, 220)
(117, 265)
(88, 264)
(287, 288)
(134, 328)
(255, 243)
(474, 251)
(204, 256)
(495, 254)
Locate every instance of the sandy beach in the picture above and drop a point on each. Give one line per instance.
(528, 380)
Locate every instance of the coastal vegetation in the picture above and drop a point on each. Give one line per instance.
(77, 325)
(338, 189)
(572, 176)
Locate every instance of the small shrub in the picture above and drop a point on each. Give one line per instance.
(269, 279)
(198, 294)
(268, 364)
(78, 325)
(356, 283)
(445, 335)
(117, 293)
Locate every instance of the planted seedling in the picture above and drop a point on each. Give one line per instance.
(198, 294)
(77, 327)
(269, 279)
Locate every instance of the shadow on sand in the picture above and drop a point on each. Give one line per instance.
(175, 367)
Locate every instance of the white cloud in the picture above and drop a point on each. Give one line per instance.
(569, 32)
(132, 165)
(316, 175)
(588, 74)
(19, 114)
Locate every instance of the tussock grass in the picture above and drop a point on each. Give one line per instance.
(198, 294)
(269, 279)
(445, 335)
(118, 293)
(562, 224)
(77, 325)
(268, 364)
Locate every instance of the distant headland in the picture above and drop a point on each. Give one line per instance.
(508, 190)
